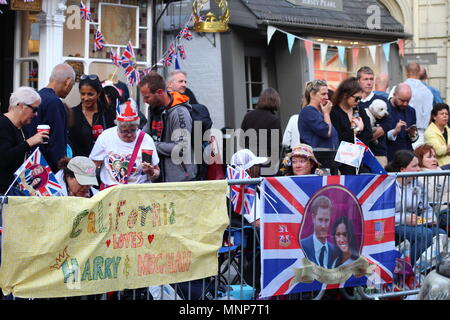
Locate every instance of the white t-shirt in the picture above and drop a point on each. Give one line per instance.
(116, 154)
(291, 136)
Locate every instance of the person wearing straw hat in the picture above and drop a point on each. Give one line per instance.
(76, 177)
(301, 161)
(120, 149)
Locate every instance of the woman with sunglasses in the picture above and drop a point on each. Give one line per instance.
(14, 148)
(348, 119)
(91, 117)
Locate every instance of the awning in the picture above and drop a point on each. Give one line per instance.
(349, 20)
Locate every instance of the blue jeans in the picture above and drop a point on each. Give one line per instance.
(420, 238)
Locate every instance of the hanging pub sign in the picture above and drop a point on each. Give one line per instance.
(420, 58)
(24, 5)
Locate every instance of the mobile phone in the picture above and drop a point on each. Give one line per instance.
(147, 155)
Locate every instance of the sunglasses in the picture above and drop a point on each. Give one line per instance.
(35, 109)
(357, 98)
(90, 76)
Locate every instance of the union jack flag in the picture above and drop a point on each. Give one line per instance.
(115, 57)
(365, 200)
(242, 195)
(85, 13)
(35, 177)
(128, 56)
(369, 159)
(99, 41)
(186, 34)
(181, 52)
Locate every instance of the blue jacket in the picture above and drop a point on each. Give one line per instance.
(403, 142)
(314, 130)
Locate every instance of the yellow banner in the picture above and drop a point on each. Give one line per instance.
(125, 237)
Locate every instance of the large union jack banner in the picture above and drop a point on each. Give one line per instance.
(353, 216)
(35, 177)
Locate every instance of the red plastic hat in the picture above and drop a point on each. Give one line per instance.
(127, 111)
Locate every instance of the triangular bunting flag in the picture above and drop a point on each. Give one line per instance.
(355, 55)
(341, 52)
(323, 52)
(387, 50)
(270, 31)
(177, 65)
(308, 47)
(373, 53)
(401, 47)
(290, 39)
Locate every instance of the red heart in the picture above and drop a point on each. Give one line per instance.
(108, 242)
(150, 238)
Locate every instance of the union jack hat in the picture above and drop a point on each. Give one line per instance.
(127, 112)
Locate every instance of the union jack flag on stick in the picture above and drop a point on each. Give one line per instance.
(242, 195)
(99, 41)
(115, 58)
(35, 177)
(85, 13)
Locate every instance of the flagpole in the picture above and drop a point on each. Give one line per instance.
(17, 176)
(354, 141)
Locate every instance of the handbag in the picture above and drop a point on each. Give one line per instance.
(137, 146)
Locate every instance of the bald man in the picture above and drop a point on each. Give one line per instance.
(381, 85)
(421, 100)
(403, 119)
(53, 113)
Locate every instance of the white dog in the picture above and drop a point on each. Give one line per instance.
(376, 111)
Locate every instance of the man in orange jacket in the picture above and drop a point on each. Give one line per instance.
(170, 125)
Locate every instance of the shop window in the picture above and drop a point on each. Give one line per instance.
(27, 67)
(118, 20)
(29, 72)
(253, 80)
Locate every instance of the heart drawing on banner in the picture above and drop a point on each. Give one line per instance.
(108, 242)
(150, 238)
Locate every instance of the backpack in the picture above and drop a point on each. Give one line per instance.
(199, 112)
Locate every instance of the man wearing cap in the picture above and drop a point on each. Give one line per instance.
(76, 177)
(170, 125)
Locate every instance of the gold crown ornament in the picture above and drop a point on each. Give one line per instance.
(210, 23)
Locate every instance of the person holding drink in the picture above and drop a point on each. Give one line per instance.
(23, 107)
(91, 117)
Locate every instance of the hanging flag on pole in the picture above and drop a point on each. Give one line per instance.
(35, 178)
(115, 57)
(85, 12)
(242, 195)
(99, 41)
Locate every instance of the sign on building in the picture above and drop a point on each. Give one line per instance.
(320, 4)
(23, 5)
(421, 58)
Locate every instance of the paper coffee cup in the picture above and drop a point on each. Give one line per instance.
(44, 128)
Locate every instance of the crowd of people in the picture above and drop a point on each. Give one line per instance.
(105, 140)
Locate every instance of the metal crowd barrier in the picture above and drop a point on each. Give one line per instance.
(239, 268)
